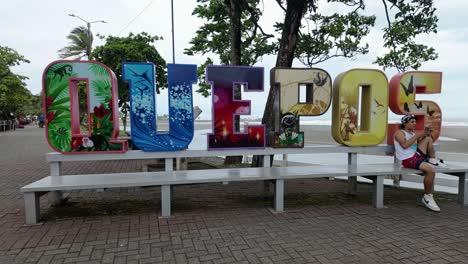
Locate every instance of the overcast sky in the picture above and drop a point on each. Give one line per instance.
(37, 29)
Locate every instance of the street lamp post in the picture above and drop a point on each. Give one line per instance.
(172, 17)
(88, 24)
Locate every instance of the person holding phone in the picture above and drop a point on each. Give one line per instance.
(415, 150)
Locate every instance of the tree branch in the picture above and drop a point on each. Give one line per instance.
(393, 48)
(280, 5)
(255, 21)
(386, 13)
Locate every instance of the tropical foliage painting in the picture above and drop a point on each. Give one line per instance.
(101, 132)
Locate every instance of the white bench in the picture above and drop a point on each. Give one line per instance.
(166, 179)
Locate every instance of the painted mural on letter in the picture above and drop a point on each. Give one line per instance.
(143, 116)
(225, 107)
(364, 124)
(403, 90)
(77, 125)
(318, 89)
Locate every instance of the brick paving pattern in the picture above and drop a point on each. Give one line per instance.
(215, 223)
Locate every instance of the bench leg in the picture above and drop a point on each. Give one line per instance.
(352, 181)
(352, 185)
(266, 184)
(463, 189)
(378, 191)
(31, 208)
(279, 195)
(165, 200)
(266, 188)
(55, 197)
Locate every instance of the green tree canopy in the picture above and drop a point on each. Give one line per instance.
(9, 58)
(14, 96)
(410, 19)
(330, 36)
(34, 105)
(214, 36)
(137, 48)
(313, 37)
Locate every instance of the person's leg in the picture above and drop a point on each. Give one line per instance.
(430, 148)
(426, 146)
(429, 175)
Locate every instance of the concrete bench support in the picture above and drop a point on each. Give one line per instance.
(463, 189)
(266, 184)
(55, 197)
(378, 191)
(165, 200)
(352, 181)
(279, 196)
(32, 207)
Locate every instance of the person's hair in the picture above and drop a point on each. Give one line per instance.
(405, 119)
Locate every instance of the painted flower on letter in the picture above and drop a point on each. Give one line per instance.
(100, 111)
(76, 142)
(50, 116)
(49, 101)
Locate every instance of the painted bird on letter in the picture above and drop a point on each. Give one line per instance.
(410, 89)
(419, 106)
(379, 104)
(430, 112)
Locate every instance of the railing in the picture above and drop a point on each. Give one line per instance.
(7, 125)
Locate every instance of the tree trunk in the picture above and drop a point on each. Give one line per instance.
(235, 30)
(235, 39)
(292, 21)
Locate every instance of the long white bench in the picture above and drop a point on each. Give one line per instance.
(166, 179)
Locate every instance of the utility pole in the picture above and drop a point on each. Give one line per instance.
(172, 15)
(90, 37)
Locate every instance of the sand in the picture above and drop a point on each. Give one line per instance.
(321, 134)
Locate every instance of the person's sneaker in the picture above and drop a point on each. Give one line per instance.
(437, 162)
(442, 163)
(429, 202)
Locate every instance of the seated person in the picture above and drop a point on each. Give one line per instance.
(415, 150)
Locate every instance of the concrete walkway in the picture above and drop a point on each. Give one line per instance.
(216, 223)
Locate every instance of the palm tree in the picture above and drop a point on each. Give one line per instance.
(81, 42)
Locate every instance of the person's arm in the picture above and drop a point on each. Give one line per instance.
(400, 137)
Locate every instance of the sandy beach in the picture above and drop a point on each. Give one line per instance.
(452, 138)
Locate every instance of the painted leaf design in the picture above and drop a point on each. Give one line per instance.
(98, 70)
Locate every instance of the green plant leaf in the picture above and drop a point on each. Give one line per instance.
(102, 87)
(60, 101)
(98, 70)
(59, 107)
(62, 118)
(56, 87)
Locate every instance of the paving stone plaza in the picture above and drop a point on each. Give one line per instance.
(216, 223)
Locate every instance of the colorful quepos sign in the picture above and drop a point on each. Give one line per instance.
(81, 105)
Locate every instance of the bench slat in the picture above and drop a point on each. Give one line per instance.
(97, 181)
(134, 179)
(138, 154)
